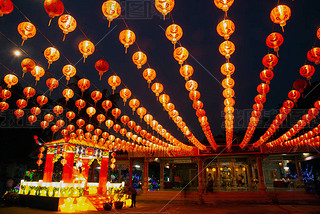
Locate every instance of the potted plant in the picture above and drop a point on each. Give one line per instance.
(118, 195)
(107, 205)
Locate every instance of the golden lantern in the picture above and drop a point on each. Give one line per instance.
(49, 118)
(106, 105)
(67, 24)
(226, 28)
(5, 94)
(80, 104)
(26, 30)
(157, 88)
(191, 85)
(10, 80)
(181, 54)
(134, 104)
(69, 71)
(174, 33)
(35, 111)
(70, 115)
(223, 4)
(149, 74)
(280, 14)
(114, 81)
(116, 112)
(86, 48)
(227, 69)
(141, 111)
(226, 49)
(83, 84)
(139, 58)
(109, 123)
(58, 110)
(51, 54)
(52, 83)
(68, 93)
(29, 92)
(228, 82)
(274, 41)
(21, 103)
(186, 71)
(37, 72)
(53, 8)
(111, 10)
(101, 118)
(164, 99)
(127, 38)
(228, 93)
(42, 100)
(164, 6)
(91, 111)
(96, 96)
(125, 94)
(32, 119)
(27, 65)
(80, 123)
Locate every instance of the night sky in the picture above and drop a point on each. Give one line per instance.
(198, 20)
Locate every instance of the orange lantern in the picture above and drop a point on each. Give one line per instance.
(280, 14)
(164, 99)
(52, 83)
(266, 75)
(141, 111)
(86, 48)
(26, 30)
(288, 104)
(89, 128)
(229, 102)
(58, 110)
(194, 95)
(44, 124)
(228, 82)
(42, 100)
(157, 88)
(164, 6)
(109, 123)
(91, 111)
(191, 85)
(260, 99)
(111, 10)
(123, 131)
(294, 95)
(263, 88)
(54, 128)
(127, 38)
(6, 7)
(228, 93)
(70, 115)
(32, 119)
(139, 58)
(134, 103)
(96, 96)
(137, 129)
(67, 24)
(173, 113)
(125, 94)
(68, 93)
(3, 106)
(27, 65)
(80, 123)
(64, 132)
(106, 105)
(270, 61)
(101, 118)
(60, 123)
(116, 127)
(124, 119)
(186, 71)
(148, 118)
(226, 49)
(170, 107)
(101, 66)
(53, 8)
(223, 4)
(307, 71)
(116, 112)
(227, 69)
(35, 111)
(69, 71)
(98, 132)
(174, 33)
(51, 54)
(114, 81)
(83, 84)
(149, 74)
(21, 103)
(226, 28)
(274, 40)
(37, 72)
(181, 54)
(48, 118)
(197, 105)
(5, 94)
(29, 92)
(10, 80)
(80, 104)
(200, 113)
(314, 55)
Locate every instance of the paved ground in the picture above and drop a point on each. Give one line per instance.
(152, 208)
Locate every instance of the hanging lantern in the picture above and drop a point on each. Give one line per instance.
(186, 71)
(86, 48)
(307, 71)
(42, 100)
(3, 106)
(174, 33)
(127, 38)
(123, 131)
(124, 119)
(314, 55)
(10, 80)
(114, 81)
(194, 95)
(29, 92)
(164, 99)
(51, 54)
(223, 4)
(170, 107)
(53, 8)
(109, 123)
(64, 132)
(137, 129)
(111, 10)
(197, 105)
(228, 82)
(300, 85)
(116, 112)
(101, 66)
(54, 128)
(60, 123)
(181, 54)
(6, 7)
(263, 89)
(106, 105)
(96, 96)
(226, 28)
(164, 6)
(48, 118)
(91, 111)
(52, 83)
(21, 103)
(274, 41)
(191, 85)
(27, 30)
(134, 104)
(70, 115)
(32, 119)
(288, 104)
(67, 24)
(98, 132)
(116, 127)
(280, 14)
(149, 74)
(5, 94)
(229, 102)
(200, 113)
(148, 118)
(37, 72)
(139, 58)
(125, 94)
(27, 65)
(89, 128)
(68, 93)
(141, 111)
(269, 61)
(226, 49)
(294, 95)
(80, 104)
(35, 111)
(83, 84)
(44, 125)
(69, 71)
(157, 88)
(58, 110)
(266, 75)
(228, 93)
(260, 99)
(101, 118)
(80, 123)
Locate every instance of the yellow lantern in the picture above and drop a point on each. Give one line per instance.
(69, 71)
(127, 38)
(111, 10)
(164, 6)
(26, 30)
(86, 48)
(139, 58)
(149, 74)
(114, 81)
(174, 33)
(51, 54)
(226, 28)
(67, 24)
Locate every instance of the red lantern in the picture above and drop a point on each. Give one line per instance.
(68, 93)
(83, 84)
(67, 24)
(70, 115)
(134, 104)
(101, 118)
(270, 61)
(42, 100)
(32, 119)
(37, 72)
(35, 111)
(164, 99)
(21, 103)
(96, 96)
(69, 71)
(106, 105)
(294, 95)
(116, 127)
(191, 85)
(141, 111)
(102, 66)
(52, 83)
(48, 118)
(80, 123)
(29, 92)
(18, 113)
(288, 104)
(5, 94)
(26, 30)
(60, 123)
(80, 104)
(54, 128)
(53, 8)
(300, 85)
(6, 7)
(274, 40)
(125, 119)
(51, 54)
(10, 80)
(27, 65)
(89, 128)
(260, 99)
(280, 14)
(109, 123)
(314, 55)
(58, 110)
(3, 106)
(266, 75)
(197, 105)
(181, 54)
(263, 88)
(116, 112)
(307, 71)
(44, 124)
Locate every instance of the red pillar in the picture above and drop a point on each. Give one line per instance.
(200, 173)
(145, 186)
(103, 176)
(130, 172)
(262, 186)
(67, 176)
(48, 168)
(85, 165)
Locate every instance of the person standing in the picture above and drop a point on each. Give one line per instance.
(133, 193)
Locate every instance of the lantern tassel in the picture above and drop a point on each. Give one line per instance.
(277, 53)
(22, 42)
(109, 24)
(100, 77)
(48, 65)
(64, 37)
(282, 28)
(36, 82)
(126, 50)
(23, 74)
(49, 22)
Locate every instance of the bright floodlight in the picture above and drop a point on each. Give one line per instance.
(17, 53)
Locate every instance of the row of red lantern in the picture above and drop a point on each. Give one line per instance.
(307, 118)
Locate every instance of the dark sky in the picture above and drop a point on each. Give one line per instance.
(198, 20)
